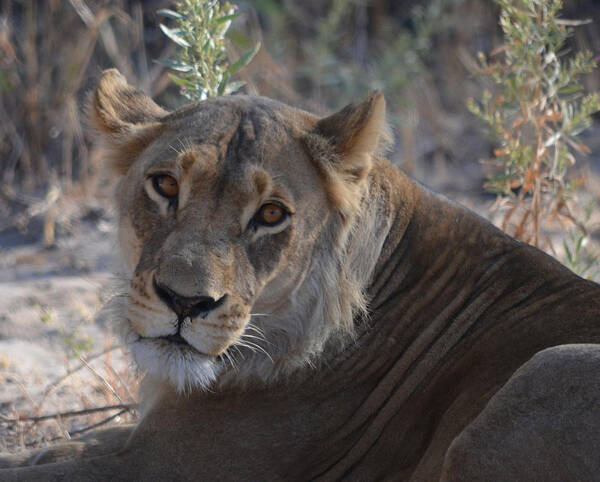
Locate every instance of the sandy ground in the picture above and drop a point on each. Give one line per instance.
(49, 299)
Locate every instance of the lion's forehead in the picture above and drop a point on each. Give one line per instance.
(227, 138)
(230, 150)
(245, 119)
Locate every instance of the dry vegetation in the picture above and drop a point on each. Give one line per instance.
(33, 420)
(61, 372)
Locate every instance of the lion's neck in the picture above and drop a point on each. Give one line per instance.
(434, 255)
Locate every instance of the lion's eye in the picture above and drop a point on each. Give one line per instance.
(270, 214)
(166, 186)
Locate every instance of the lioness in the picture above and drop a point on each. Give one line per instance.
(303, 310)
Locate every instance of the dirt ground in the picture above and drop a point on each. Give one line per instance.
(55, 356)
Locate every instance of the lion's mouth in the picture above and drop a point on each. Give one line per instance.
(181, 344)
(176, 339)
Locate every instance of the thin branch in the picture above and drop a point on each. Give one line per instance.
(73, 413)
(76, 432)
(58, 381)
(101, 422)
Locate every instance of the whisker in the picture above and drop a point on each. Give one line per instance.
(226, 357)
(254, 347)
(260, 338)
(255, 328)
(233, 361)
(239, 351)
(242, 344)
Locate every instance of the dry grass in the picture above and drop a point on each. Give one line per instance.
(110, 395)
(42, 79)
(50, 54)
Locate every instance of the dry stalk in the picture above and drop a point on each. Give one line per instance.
(71, 413)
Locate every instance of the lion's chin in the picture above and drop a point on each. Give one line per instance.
(179, 364)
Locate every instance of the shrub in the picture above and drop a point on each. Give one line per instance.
(535, 111)
(201, 62)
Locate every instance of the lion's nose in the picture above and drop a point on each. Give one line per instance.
(185, 306)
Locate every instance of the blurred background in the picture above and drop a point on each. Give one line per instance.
(57, 249)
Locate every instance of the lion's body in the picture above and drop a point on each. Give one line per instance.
(456, 307)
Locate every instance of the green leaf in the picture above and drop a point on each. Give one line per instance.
(568, 252)
(571, 89)
(182, 82)
(226, 18)
(173, 34)
(580, 243)
(243, 60)
(165, 12)
(223, 84)
(175, 65)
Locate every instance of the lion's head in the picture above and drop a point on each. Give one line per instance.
(243, 227)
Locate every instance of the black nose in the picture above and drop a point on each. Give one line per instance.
(184, 306)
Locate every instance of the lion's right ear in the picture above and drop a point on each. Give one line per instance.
(126, 119)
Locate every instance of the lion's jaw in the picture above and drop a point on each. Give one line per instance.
(216, 292)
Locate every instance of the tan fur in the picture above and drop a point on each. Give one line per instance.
(353, 341)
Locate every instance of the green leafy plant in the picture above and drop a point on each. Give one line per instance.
(535, 110)
(201, 63)
(577, 257)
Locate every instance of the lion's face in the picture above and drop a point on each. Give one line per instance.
(222, 211)
(210, 225)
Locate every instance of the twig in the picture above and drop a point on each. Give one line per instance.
(101, 422)
(58, 381)
(77, 432)
(62, 428)
(73, 413)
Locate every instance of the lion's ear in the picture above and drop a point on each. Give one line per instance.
(352, 136)
(355, 133)
(125, 118)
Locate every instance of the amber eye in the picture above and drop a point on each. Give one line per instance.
(270, 214)
(165, 186)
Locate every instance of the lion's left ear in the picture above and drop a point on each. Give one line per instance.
(352, 137)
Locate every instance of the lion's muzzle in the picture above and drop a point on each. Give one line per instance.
(187, 306)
